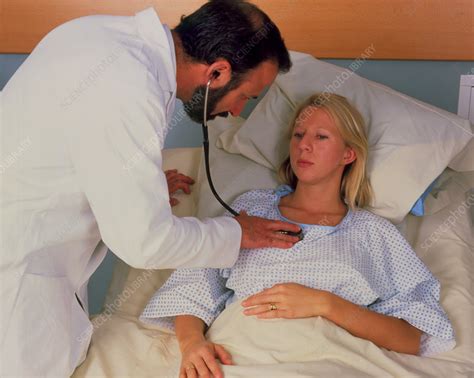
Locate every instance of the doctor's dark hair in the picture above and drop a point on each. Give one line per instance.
(236, 31)
(355, 188)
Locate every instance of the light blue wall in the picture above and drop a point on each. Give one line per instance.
(9, 63)
(434, 82)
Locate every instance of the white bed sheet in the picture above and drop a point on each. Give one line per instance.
(122, 346)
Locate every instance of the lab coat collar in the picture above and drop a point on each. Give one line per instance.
(159, 39)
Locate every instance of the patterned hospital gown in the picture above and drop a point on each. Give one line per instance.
(364, 259)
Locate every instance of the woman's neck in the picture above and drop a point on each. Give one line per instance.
(314, 204)
(318, 199)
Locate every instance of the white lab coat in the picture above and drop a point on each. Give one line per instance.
(82, 127)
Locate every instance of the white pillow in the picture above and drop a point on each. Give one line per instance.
(232, 174)
(411, 142)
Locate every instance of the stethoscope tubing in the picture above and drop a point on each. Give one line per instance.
(205, 144)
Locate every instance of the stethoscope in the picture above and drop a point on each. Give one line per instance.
(205, 144)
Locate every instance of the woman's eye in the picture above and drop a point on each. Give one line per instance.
(298, 135)
(320, 136)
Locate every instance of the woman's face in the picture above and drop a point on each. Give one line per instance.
(317, 151)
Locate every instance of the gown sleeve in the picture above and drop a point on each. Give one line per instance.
(198, 292)
(413, 292)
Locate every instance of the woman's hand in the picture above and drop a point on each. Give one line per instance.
(290, 301)
(199, 360)
(177, 181)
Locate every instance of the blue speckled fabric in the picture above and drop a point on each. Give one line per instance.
(364, 259)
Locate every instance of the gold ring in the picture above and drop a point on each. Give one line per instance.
(273, 307)
(189, 367)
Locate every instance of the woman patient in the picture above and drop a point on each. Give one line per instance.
(351, 264)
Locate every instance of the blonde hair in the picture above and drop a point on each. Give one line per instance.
(355, 186)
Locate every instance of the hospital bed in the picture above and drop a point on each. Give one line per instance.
(123, 346)
(442, 237)
(244, 156)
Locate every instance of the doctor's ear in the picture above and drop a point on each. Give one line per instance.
(219, 73)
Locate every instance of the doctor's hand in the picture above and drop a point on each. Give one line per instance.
(199, 360)
(290, 301)
(177, 181)
(260, 233)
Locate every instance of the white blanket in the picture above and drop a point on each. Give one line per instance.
(276, 347)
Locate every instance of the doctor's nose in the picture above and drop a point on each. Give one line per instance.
(237, 108)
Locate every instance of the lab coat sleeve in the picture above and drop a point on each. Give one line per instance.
(115, 147)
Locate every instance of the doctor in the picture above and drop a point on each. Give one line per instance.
(83, 123)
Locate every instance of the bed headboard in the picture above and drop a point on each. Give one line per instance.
(397, 29)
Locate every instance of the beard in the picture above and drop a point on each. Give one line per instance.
(194, 108)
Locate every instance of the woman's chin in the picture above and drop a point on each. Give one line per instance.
(307, 180)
